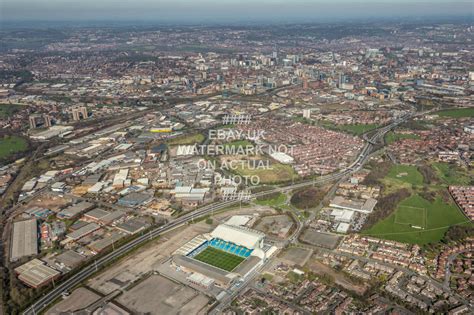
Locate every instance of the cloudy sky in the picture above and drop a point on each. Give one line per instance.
(228, 10)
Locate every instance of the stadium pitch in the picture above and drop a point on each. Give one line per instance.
(219, 258)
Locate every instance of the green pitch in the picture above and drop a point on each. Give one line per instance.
(434, 218)
(413, 216)
(218, 258)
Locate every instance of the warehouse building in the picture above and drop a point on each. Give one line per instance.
(36, 274)
(68, 260)
(102, 216)
(363, 206)
(133, 226)
(135, 199)
(345, 216)
(75, 210)
(83, 231)
(25, 239)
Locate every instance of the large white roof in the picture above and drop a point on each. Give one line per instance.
(238, 235)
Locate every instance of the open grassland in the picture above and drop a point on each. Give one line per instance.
(355, 129)
(219, 258)
(187, 139)
(358, 129)
(402, 176)
(12, 144)
(411, 224)
(451, 174)
(456, 113)
(392, 137)
(275, 173)
(274, 200)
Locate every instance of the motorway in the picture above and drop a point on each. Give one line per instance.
(42, 303)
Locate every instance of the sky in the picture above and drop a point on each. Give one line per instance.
(208, 11)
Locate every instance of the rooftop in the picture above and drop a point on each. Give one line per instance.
(25, 239)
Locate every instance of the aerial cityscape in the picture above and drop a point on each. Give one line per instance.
(177, 158)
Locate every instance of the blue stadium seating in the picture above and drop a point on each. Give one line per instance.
(222, 245)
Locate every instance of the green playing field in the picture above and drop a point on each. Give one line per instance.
(414, 216)
(219, 258)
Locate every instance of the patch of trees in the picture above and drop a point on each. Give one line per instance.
(459, 232)
(377, 172)
(307, 198)
(429, 175)
(17, 75)
(17, 296)
(431, 195)
(445, 195)
(386, 205)
(428, 195)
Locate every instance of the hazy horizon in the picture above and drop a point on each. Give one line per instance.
(206, 11)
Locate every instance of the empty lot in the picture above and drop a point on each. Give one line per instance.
(159, 295)
(326, 240)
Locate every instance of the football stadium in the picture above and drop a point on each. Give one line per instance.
(227, 252)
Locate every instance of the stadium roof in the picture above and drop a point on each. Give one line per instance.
(238, 235)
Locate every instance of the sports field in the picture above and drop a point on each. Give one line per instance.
(411, 216)
(219, 258)
(418, 221)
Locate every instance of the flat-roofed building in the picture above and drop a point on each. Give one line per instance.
(135, 199)
(345, 216)
(75, 210)
(83, 231)
(107, 241)
(36, 274)
(364, 206)
(69, 260)
(102, 216)
(133, 226)
(95, 214)
(25, 239)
